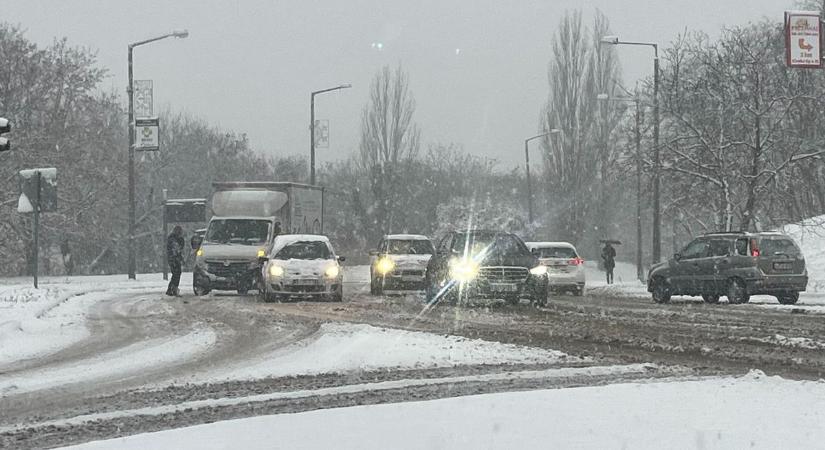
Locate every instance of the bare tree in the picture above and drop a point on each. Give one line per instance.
(389, 141)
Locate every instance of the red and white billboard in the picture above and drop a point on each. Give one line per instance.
(803, 47)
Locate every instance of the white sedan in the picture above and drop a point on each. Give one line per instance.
(301, 266)
(565, 269)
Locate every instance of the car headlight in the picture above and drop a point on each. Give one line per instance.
(384, 265)
(276, 271)
(464, 270)
(332, 272)
(539, 270)
(261, 253)
(199, 252)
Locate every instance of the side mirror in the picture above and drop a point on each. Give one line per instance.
(262, 260)
(535, 252)
(373, 252)
(342, 258)
(677, 256)
(196, 242)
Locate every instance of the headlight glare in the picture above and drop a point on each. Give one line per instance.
(199, 252)
(384, 265)
(261, 253)
(539, 270)
(464, 270)
(332, 272)
(276, 271)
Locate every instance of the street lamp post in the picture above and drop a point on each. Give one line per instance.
(638, 135)
(312, 128)
(129, 91)
(527, 169)
(657, 214)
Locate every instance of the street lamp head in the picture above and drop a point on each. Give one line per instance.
(181, 34)
(613, 40)
(555, 131)
(603, 97)
(345, 86)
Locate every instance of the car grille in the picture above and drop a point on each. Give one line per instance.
(307, 289)
(220, 269)
(503, 274)
(411, 273)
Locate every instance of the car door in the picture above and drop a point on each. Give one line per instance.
(714, 267)
(685, 276)
(437, 267)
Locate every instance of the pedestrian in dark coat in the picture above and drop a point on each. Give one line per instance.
(174, 255)
(609, 258)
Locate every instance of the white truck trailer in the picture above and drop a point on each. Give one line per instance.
(246, 217)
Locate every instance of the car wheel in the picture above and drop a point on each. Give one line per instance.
(200, 290)
(788, 298)
(661, 291)
(711, 298)
(538, 299)
(737, 292)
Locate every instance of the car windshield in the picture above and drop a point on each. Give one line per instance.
(237, 231)
(304, 250)
(556, 252)
(503, 245)
(409, 247)
(778, 246)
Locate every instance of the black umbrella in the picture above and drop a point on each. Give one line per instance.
(611, 241)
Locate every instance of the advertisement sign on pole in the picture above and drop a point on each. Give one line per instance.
(143, 98)
(321, 133)
(147, 135)
(803, 47)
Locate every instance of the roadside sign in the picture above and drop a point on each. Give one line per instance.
(38, 189)
(803, 45)
(147, 135)
(143, 98)
(321, 133)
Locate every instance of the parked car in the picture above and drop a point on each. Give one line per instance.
(737, 265)
(490, 264)
(565, 268)
(301, 266)
(400, 262)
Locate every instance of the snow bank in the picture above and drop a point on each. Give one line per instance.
(36, 322)
(810, 236)
(706, 414)
(341, 348)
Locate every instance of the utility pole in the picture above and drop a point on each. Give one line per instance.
(657, 164)
(312, 128)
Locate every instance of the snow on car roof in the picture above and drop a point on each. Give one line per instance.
(282, 240)
(548, 244)
(406, 237)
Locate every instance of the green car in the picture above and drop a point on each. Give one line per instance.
(734, 264)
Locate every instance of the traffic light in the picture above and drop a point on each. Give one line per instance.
(5, 127)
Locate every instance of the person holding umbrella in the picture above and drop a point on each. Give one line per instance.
(609, 258)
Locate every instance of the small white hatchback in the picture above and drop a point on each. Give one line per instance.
(565, 269)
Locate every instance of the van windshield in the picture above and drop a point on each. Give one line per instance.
(237, 231)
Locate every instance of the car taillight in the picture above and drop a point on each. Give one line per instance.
(576, 261)
(754, 248)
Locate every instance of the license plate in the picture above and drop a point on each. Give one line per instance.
(782, 266)
(305, 282)
(500, 287)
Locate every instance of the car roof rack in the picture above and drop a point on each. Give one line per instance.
(725, 232)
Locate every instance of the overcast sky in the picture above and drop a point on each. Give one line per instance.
(477, 68)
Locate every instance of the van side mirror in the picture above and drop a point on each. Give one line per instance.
(677, 256)
(534, 251)
(262, 260)
(342, 258)
(196, 242)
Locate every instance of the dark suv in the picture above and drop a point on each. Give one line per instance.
(736, 265)
(488, 264)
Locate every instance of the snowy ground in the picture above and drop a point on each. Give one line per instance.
(708, 414)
